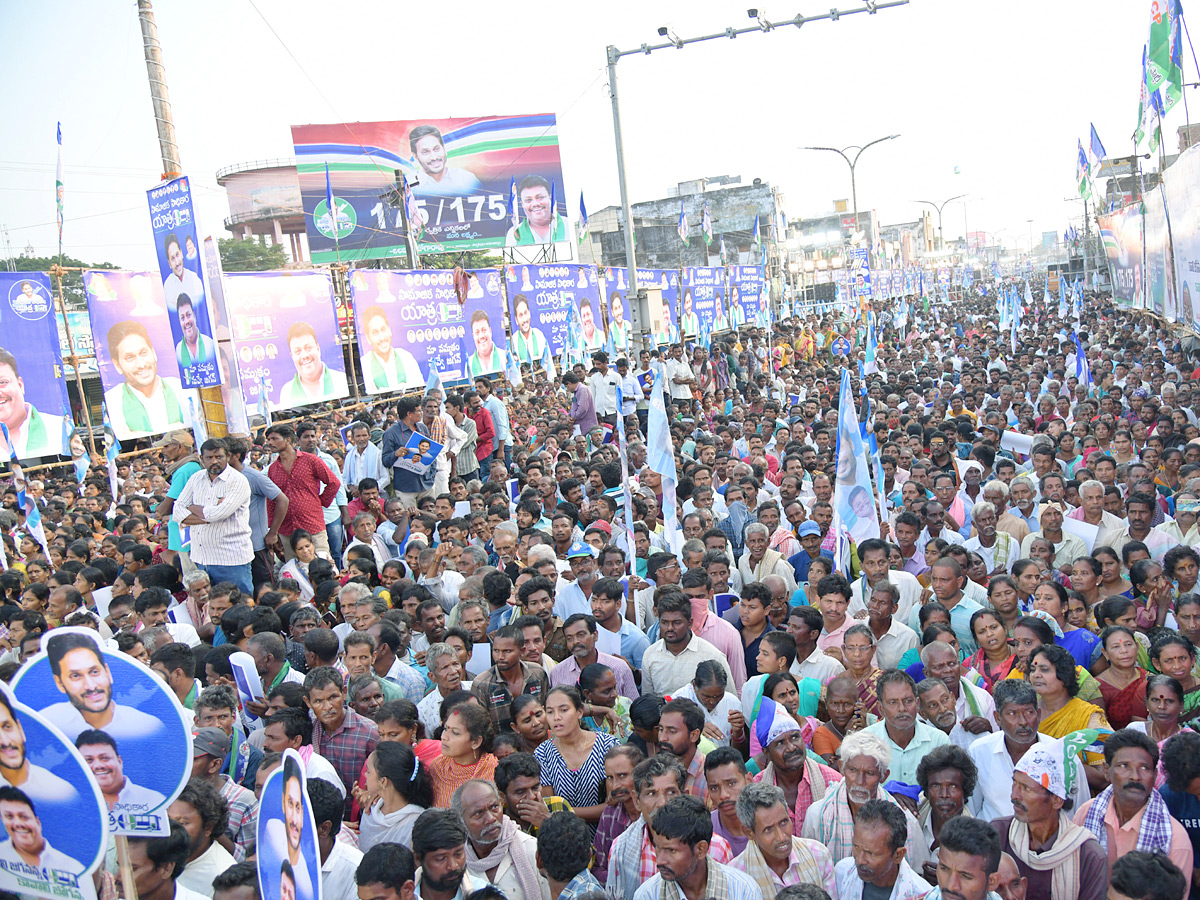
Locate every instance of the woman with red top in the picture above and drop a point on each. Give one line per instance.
(1123, 683)
(466, 746)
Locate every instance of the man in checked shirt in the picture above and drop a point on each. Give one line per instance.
(308, 484)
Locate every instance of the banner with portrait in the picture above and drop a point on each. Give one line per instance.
(81, 339)
(702, 304)
(289, 862)
(135, 354)
(184, 282)
(285, 334)
(1181, 182)
(128, 726)
(462, 173)
(747, 296)
(1160, 290)
(1121, 232)
(614, 296)
(662, 287)
(410, 321)
(53, 814)
(540, 298)
(33, 392)
(858, 264)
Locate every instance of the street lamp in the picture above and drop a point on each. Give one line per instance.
(761, 25)
(939, 207)
(852, 163)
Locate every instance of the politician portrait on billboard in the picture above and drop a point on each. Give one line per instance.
(461, 172)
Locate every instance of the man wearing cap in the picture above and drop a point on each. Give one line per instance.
(574, 594)
(182, 464)
(803, 780)
(209, 748)
(1067, 547)
(1060, 859)
(809, 535)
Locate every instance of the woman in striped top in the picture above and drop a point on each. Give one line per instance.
(466, 752)
(573, 760)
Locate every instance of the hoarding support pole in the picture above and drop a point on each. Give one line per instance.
(210, 397)
(626, 211)
(56, 271)
(126, 868)
(339, 290)
(408, 242)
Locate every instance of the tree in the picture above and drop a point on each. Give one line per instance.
(251, 255)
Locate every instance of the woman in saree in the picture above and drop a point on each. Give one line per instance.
(995, 658)
(1164, 703)
(1173, 654)
(1123, 683)
(1051, 597)
(1039, 630)
(1052, 677)
(858, 652)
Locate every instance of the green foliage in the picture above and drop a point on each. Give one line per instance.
(468, 259)
(250, 255)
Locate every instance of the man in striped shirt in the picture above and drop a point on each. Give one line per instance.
(215, 505)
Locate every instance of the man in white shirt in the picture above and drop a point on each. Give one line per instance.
(364, 459)
(144, 402)
(26, 846)
(603, 383)
(182, 280)
(215, 504)
(996, 755)
(679, 377)
(631, 388)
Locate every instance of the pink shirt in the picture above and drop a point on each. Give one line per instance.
(1123, 838)
(723, 636)
(834, 638)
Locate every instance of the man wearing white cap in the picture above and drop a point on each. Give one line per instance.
(1061, 860)
(804, 781)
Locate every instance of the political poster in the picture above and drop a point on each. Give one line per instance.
(464, 174)
(184, 282)
(135, 353)
(854, 505)
(81, 338)
(33, 393)
(410, 321)
(1181, 181)
(1159, 290)
(1121, 232)
(859, 265)
(703, 293)
(663, 291)
(52, 811)
(289, 864)
(540, 301)
(286, 338)
(418, 454)
(747, 296)
(614, 294)
(128, 726)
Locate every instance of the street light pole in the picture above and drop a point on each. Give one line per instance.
(673, 41)
(939, 207)
(852, 163)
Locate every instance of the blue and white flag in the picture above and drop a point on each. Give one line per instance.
(583, 223)
(434, 381)
(264, 405)
(1096, 153)
(854, 508)
(514, 369)
(682, 228)
(626, 495)
(33, 516)
(112, 447)
(81, 463)
(871, 366)
(199, 426)
(757, 236)
(660, 457)
(548, 363)
(514, 213)
(1083, 371)
(1062, 297)
(706, 225)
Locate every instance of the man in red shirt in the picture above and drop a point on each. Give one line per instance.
(300, 476)
(483, 423)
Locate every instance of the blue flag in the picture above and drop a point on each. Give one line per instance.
(514, 215)
(1083, 372)
(434, 382)
(682, 228)
(854, 516)
(333, 222)
(583, 223)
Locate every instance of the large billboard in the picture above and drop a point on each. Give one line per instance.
(540, 299)
(748, 302)
(1121, 232)
(462, 173)
(1159, 287)
(33, 393)
(135, 352)
(409, 322)
(662, 287)
(286, 336)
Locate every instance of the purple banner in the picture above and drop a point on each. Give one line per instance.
(286, 336)
(134, 348)
(703, 301)
(33, 392)
(410, 321)
(539, 300)
(747, 302)
(184, 282)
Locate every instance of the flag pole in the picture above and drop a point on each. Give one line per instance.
(57, 272)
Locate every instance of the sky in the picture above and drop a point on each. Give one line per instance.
(989, 100)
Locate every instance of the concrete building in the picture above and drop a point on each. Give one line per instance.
(264, 202)
(732, 207)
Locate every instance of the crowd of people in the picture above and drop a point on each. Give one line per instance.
(507, 680)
